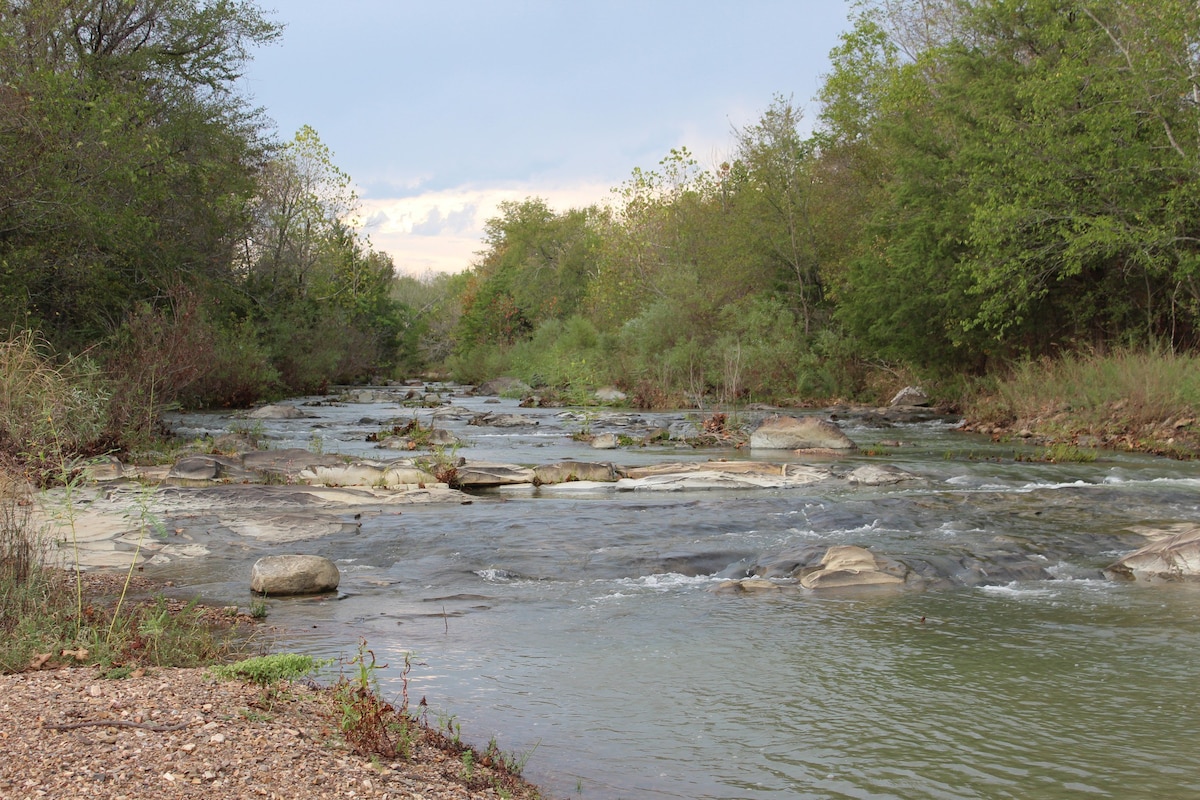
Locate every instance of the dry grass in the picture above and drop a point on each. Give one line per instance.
(1134, 399)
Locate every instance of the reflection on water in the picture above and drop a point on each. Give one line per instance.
(585, 628)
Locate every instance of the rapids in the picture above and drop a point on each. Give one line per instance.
(580, 630)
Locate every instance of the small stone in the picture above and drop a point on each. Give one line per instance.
(189, 747)
(217, 738)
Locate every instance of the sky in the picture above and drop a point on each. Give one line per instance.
(441, 109)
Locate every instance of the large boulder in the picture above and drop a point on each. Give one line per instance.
(799, 433)
(605, 441)
(846, 566)
(1171, 556)
(278, 411)
(609, 394)
(293, 574)
(910, 396)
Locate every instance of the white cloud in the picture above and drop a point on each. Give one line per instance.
(442, 231)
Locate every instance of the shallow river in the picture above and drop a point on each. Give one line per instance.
(582, 632)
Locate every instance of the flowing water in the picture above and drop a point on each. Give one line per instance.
(580, 630)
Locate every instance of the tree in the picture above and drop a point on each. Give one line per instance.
(536, 267)
(779, 164)
(125, 153)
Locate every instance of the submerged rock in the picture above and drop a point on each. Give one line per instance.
(293, 574)
(879, 475)
(1173, 555)
(748, 586)
(799, 433)
(846, 566)
(503, 420)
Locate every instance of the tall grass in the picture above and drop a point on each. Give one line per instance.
(1119, 391)
(50, 409)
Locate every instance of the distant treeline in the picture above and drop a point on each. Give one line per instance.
(984, 182)
(981, 183)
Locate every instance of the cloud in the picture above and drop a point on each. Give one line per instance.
(442, 231)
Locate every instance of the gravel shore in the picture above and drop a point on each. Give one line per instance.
(180, 733)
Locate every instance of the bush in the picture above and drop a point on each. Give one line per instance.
(50, 410)
(239, 372)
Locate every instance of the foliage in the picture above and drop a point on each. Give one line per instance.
(124, 154)
(269, 670)
(1118, 392)
(371, 725)
(49, 410)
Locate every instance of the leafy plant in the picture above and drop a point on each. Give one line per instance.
(371, 725)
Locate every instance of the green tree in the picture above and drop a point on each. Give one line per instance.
(125, 154)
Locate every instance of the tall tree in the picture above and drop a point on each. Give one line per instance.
(125, 151)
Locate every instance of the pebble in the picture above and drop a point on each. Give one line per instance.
(217, 738)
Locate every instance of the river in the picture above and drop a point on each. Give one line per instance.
(582, 631)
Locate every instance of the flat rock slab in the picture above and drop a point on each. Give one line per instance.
(675, 482)
(566, 471)
(281, 528)
(483, 475)
(364, 474)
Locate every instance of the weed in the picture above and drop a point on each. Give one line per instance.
(443, 465)
(254, 434)
(371, 725)
(258, 607)
(1060, 454)
(269, 672)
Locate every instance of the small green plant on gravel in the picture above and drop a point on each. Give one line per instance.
(512, 763)
(370, 724)
(270, 672)
(586, 420)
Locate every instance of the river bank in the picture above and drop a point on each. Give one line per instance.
(180, 733)
(139, 731)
